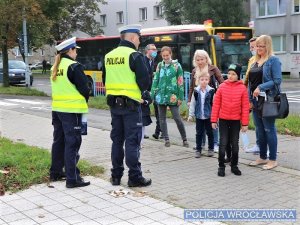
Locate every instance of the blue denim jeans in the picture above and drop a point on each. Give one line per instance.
(266, 135)
(204, 127)
(216, 137)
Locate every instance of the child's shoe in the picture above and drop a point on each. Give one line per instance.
(198, 154)
(185, 144)
(221, 172)
(167, 143)
(210, 153)
(235, 170)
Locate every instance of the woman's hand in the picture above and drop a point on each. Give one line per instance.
(190, 119)
(214, 125)
(256, 92)
(244, 128)
(179, 102)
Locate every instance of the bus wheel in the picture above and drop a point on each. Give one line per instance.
(91, 86)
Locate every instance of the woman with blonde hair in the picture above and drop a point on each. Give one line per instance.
(265, 79)
(70, 94)
(202, 63)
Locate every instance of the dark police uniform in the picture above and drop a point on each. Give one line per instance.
(70, 94)
(125, 80)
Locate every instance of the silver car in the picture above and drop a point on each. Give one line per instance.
(16, 70)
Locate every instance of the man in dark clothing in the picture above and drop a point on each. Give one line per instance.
(151, 53)
(44, 66)
(124, 77)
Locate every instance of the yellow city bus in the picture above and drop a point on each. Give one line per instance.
(225, 45)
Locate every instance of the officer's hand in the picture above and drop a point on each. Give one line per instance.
(190, 119)
(179, 102)
(142, 101)
(214, 125)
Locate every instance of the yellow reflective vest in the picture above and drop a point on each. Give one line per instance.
(120, 79)
(65, 96)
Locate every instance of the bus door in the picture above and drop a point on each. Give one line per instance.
(185, 56)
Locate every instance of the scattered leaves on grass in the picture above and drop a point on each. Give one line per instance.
(2, 189)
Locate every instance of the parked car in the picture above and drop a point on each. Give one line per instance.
(16, 70)
(39, 66)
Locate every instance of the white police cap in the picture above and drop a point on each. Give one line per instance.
(132, 28)
(67, 44)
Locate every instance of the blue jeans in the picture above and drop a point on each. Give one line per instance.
(266, 135)
(216, 137)
(201, 127)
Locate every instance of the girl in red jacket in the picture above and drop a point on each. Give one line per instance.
(231, 108)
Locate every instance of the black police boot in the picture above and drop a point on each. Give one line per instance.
(235, 170)
(79, 183)
(142, 182)
(156, 136)
(58, 177)
(221, 172)
(115, 181)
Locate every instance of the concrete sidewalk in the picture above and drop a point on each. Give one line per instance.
(178, 178)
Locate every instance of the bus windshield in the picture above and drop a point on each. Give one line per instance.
(235, 52)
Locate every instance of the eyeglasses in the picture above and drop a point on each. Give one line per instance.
(260, 46)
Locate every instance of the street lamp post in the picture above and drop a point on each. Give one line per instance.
(27, 78)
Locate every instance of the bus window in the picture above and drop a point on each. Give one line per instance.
(235, 52)
(185, 60)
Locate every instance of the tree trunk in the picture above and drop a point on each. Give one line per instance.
(5, 58)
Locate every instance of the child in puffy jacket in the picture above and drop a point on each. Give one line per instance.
(200, 107)
(231, 108)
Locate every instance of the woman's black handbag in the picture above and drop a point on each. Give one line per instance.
(278, 108)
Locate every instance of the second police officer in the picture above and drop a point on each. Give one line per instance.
(125, 78)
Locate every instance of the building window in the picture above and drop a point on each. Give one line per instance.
(143, 14)
(102, 20)
(42, 52)
(279, 43)
(120, 17)
(157, 12)
(296, 42)
(272, 7)
(296, 6)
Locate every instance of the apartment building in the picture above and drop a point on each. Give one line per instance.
(117, 13)
(280, 19)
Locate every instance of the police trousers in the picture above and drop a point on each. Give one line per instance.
(66, 145)
(126, 129)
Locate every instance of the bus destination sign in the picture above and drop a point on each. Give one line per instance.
(233, 35)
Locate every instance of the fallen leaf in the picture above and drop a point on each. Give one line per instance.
(139, 194)
(41, 216)
(4, 171)
(118, 193)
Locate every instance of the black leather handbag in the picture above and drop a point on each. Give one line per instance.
(277, 108)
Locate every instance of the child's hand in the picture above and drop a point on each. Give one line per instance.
(214, 125)
(244, 128)
(179, 102)
(190, 119)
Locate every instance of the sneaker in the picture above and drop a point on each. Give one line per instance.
(167, 143)
(254, 149)
(185, 144)
(210, 153)
(221, 172)
(236, 171)
(198, 154)
(216, 148)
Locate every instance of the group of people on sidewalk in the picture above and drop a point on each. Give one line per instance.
(221, 108)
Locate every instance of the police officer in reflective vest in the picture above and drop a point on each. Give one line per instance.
(126, 77)
(70, 94)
